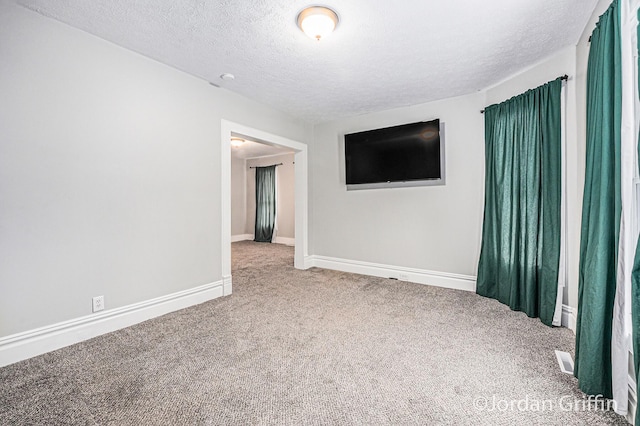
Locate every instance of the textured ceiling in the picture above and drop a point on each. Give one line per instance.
(384, 54)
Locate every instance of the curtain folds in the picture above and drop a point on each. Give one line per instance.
(265, 203)
(601, 208)
(520, 252)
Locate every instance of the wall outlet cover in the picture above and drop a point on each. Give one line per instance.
(98, 303)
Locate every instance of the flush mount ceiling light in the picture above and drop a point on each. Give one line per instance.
(317, 21)
(237, 141)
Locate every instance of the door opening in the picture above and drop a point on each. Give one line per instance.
(299, 149)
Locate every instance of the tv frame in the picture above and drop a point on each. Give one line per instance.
(403, 184)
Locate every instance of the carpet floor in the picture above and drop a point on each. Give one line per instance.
(296, 347)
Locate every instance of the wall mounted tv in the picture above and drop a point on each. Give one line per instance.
(406, 155)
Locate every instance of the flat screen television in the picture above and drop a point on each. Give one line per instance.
(406, 155)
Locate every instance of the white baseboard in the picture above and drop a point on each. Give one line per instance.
(277, 240)
(20, 346)
(227, 285)
(308, 262)
(420, 276)
(286, 241)
(568, 317)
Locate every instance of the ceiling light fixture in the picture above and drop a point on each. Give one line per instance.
(317, 21)
(237, 141)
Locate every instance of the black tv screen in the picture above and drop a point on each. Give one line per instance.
(406, 155)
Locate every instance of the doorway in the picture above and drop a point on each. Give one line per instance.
(229, 130)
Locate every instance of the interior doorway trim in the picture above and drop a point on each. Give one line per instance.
(301, 188)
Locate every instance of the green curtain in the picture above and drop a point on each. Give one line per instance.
(635, 280)
(601, 208)
(265, 203)
(520, 252)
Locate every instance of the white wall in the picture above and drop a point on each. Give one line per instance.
(285, 204)
(238, 195)
(429, 228)
(109, 173)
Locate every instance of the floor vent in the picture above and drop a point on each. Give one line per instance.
(565, 361)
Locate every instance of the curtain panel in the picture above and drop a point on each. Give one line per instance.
(265, 203)
(601, 208)
(519, 258)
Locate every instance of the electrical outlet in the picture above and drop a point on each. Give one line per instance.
(403, 277)
(98, 303)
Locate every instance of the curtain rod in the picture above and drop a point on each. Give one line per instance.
(564, 77)
(255, 167)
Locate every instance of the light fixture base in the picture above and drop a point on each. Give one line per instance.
(317, 21)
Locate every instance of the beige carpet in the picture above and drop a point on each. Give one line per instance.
(309, 347)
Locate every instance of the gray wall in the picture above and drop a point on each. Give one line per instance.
(434, 228)
(238, 196)
(285, 177)
(109, 172)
